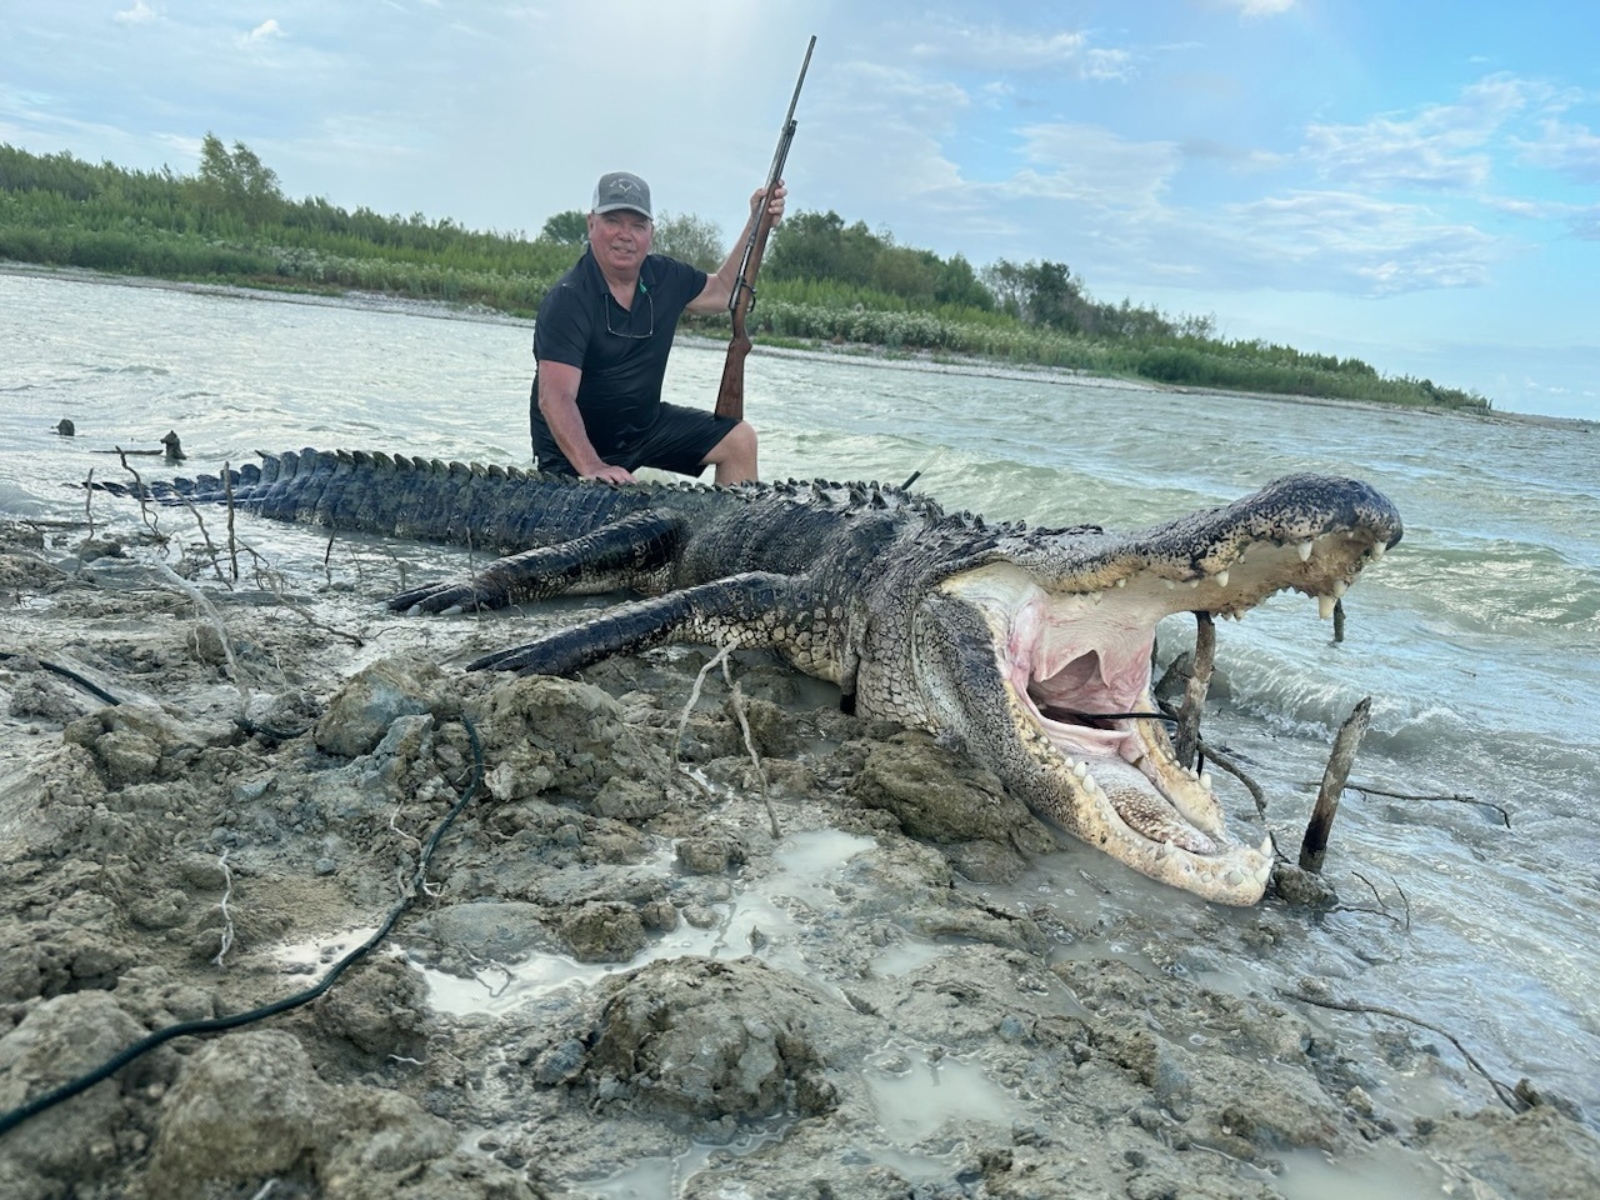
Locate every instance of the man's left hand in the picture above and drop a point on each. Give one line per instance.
(774, 204)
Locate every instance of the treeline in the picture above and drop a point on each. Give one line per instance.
(230, 222)
(824, 281)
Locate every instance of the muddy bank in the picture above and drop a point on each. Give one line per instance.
(760, 950)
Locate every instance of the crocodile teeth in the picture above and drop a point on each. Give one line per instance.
(1377, 550)
(1304, 551)
(1124, 582)
(1340, 587)
(1205, 780)
(1325, 606)
(1266, 846)
(1080, 769)
(1222, 579)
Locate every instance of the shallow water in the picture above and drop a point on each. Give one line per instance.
(1478, 638)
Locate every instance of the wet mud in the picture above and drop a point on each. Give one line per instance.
(748, 948)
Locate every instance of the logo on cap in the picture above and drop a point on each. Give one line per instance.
(620, 189)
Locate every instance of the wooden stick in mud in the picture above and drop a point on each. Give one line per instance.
(144, 508)
(1508, 1096)
(1194, 695)
(233, 545)
(1314, 847)
(1224, 763)
(1505, 817)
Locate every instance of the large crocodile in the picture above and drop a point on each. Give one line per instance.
(1023, 645)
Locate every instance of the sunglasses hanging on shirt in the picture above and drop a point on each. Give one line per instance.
(626, 318)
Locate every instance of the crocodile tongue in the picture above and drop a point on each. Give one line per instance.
(1145, 810)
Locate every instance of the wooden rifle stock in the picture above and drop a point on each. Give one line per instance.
(730, 393)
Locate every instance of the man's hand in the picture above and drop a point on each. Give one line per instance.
(719, 287)
(774, 205)
(606, 473)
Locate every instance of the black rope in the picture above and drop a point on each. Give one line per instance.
(1056, 714)
(94, 689)
(10, 1120)
(250, 727)
(267, 732)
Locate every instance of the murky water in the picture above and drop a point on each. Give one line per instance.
(1478, 639)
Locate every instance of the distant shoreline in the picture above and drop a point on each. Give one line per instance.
(863, 354)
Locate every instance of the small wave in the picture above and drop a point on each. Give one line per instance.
(16, 501)
(137, 369)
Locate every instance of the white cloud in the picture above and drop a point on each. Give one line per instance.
(266, 30)
(1240, 158)
(139, 14)
(1394, 154)
(1586, 224)
(1259, 8)
(1090, 164)
(1444, 146)
(1573, 150)
(1347, 242)
(998, 49)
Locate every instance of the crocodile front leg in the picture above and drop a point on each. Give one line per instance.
(756, 609)
(612, 558)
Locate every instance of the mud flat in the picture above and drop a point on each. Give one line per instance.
(761, 950)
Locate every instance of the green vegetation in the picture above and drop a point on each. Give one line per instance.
(824, 282)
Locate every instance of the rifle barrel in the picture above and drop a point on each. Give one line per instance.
(730, 393)
(780, 156)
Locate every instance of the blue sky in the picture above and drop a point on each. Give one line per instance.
(1413, 182)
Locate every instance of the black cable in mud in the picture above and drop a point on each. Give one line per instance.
(66, 673)
(39, 1104)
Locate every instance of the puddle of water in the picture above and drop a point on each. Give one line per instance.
(913, 1104)
(905, 957)
(495, 989)
(1376, 1173)
(773, 917)
(313, 958)
(661, 1176)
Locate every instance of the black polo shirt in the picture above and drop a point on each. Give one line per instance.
(622, 353)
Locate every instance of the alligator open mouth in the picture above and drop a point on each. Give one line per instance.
(1076, 669)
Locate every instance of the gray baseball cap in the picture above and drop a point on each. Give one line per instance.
(620, 189)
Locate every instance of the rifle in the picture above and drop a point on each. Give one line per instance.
(730, 395)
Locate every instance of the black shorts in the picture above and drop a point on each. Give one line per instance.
(678, 441)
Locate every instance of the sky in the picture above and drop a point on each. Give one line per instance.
(1412, 182)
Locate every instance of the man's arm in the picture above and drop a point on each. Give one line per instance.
(719, 287)
(558, 402)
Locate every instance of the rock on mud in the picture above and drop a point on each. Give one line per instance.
(362, 711)
(549, 734)
(251, 1106)
(56, 1041)
(707, 1039)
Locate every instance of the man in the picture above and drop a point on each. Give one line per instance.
(601, 344)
